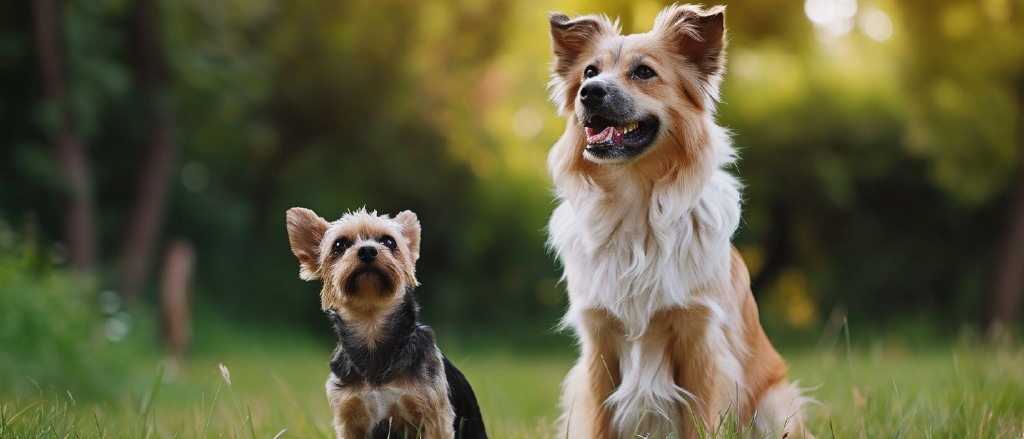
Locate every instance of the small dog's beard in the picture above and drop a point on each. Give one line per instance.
(368, 278)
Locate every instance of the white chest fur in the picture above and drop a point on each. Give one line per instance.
(633, 257)
(632, 260)
(378, 402)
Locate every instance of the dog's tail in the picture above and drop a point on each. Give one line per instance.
(780, 414)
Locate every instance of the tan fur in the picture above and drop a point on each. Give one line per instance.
(420, 408)
(305, 233)
(311, 239)
(705, 352)
(673, 99)
(594, 376)
(690, 360)
(423, 407)
(351, 418)
(764, 366)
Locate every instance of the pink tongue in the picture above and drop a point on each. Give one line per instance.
(608, 134)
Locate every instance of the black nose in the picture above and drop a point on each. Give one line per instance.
(367, 254)
(592, 94)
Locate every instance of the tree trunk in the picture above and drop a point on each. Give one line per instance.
(1008, 273)
(79, 214)
(175, 303)
(147, 213)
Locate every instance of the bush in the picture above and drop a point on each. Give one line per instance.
(52, 332)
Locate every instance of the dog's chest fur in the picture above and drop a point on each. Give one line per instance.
(395, 378)
(633, 256)
(402, 350)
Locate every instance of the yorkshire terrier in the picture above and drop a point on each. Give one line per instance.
(388, 378)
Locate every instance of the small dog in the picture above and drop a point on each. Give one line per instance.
(388, 378)
(660, 300)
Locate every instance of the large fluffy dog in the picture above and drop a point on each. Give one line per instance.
(659, 298)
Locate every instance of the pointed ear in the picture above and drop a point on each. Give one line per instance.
(305, 232)
(697, 33)
(570, 38)
(411, 230)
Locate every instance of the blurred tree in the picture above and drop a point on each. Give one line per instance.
(79, 213)
(966, 78)
(146, 217)
(840, 207)
(863, 187)
(336, 105)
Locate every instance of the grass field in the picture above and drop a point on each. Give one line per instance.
(883, 388)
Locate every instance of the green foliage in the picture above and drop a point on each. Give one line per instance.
(51, 332)
(875, 172)
(321, 116)
(966, 109)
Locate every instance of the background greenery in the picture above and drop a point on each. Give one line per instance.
(880, 146)
(878, 173)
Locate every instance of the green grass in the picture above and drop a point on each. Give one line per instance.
(884, 388)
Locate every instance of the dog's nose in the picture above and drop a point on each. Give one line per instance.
(367, 254)
(592, 94)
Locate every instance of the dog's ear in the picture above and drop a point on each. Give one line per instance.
(570, 38)
(305, 232)
(411, 230)
(697, 33)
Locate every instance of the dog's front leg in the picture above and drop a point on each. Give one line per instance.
(439, 425)
(437, 429)
(594, 377)
(688, 335)
(351, 420)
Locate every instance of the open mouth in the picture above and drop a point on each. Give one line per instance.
(611, 139)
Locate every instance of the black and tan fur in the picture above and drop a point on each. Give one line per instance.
(388, 378)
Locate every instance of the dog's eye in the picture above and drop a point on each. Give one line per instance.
(388, 242)
(590, 72)
(644, 72)
(341, 245)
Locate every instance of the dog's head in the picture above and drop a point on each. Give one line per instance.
(627, 95)
(363, 259)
